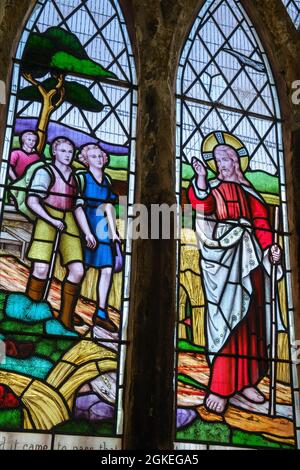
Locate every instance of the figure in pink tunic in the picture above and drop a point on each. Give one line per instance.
(21, 158)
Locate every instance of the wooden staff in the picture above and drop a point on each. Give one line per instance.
(52, 265)
(272, 400)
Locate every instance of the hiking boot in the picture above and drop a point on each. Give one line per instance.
(78, 321)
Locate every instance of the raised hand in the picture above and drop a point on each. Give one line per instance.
(201, 173)
(199, 168)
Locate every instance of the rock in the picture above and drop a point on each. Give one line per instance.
(91, 407)
(33, 366)
(101, 411)
(83, 404)
(39, 311)
(21, 307)
(86, 388)
(54, 327)
(17, 306)
(99, 334)
(18, 349)
(105, 386)
(185, 416)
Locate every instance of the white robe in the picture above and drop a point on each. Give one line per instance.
(229, 253)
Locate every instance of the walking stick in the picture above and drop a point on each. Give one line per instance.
(52, 265)
(272, 399)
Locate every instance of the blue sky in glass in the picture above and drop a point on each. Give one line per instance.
(293, 8)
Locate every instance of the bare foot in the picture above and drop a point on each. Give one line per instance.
(215, 403)
(253, 394)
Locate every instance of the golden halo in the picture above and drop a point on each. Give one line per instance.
(223, 138)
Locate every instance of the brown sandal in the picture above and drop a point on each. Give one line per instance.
(107, 324)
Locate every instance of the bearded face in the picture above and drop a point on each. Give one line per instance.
(226, 165)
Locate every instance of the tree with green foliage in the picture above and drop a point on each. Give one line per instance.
(57, 53)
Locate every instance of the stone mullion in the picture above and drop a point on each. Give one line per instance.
(149, 394)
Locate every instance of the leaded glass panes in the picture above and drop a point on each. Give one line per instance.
(236, 383)
(67, 174)
(293, 8)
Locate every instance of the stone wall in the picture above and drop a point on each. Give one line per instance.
(158, 29)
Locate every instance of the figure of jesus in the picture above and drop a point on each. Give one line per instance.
(236, 253)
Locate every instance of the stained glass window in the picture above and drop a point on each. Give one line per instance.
(236, 382)
(293, 8)
(67, 183)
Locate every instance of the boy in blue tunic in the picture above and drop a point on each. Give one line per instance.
(99, 199)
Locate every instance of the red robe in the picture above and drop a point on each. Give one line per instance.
(242, 362)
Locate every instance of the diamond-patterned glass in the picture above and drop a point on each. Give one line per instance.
(223, 64)
(293, 8)
(230, 180)
(73, 91)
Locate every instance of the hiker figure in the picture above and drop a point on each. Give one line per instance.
(99, 199)
(21, 158)
(54, 197)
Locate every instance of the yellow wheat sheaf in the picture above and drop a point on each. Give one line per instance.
(47, 404)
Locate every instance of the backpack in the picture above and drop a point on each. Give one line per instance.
(80, 179)
(19, 189)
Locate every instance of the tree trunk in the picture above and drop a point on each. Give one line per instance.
(43, 123)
